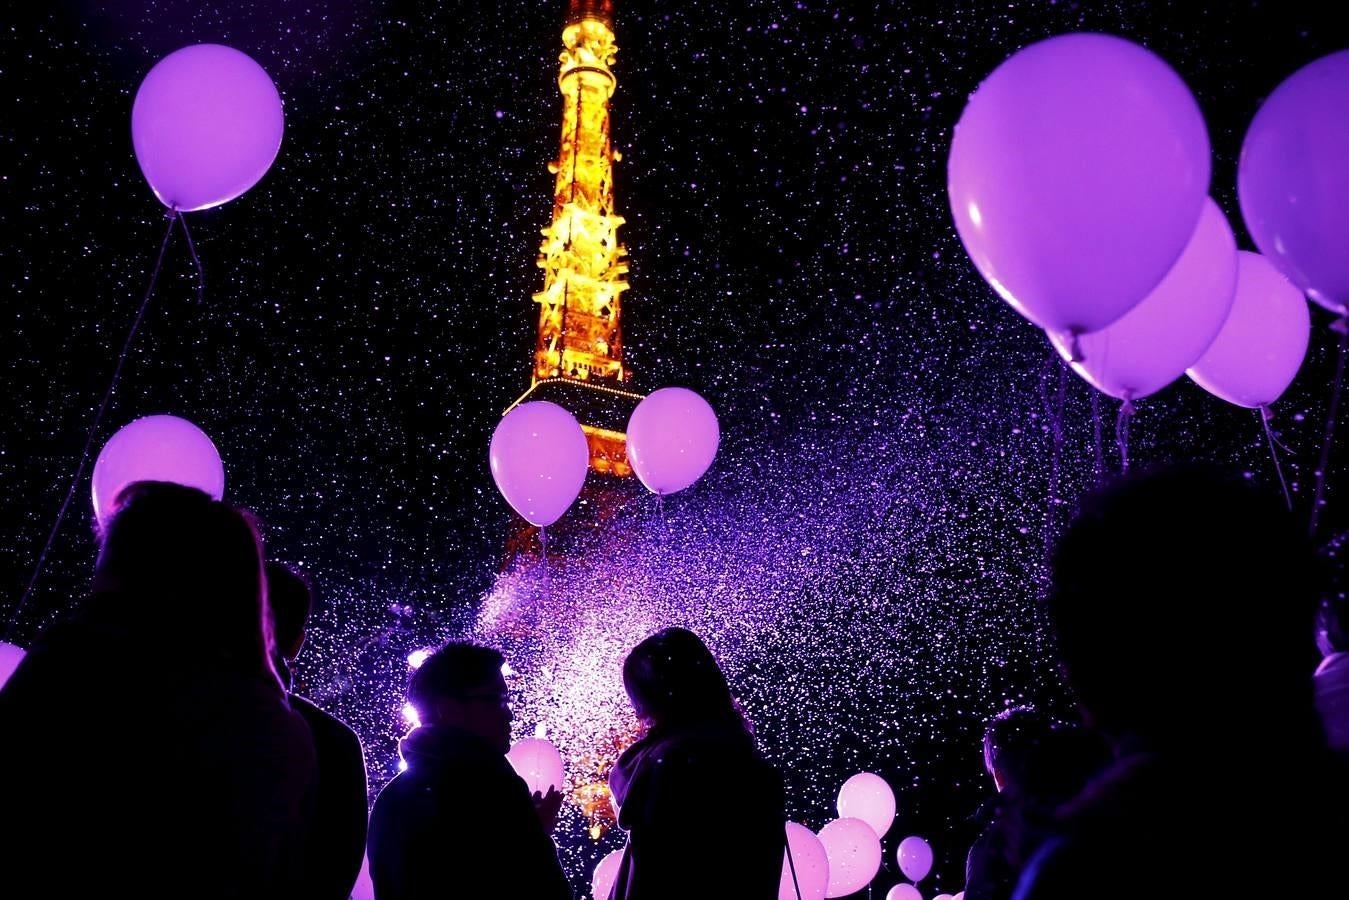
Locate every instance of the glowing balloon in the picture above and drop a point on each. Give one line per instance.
(206, 126)
(10, 657)
(854, 853)
(1076, 175)
(364, 888)
(1264, 341)
(810, 861)
(606, 872)
(868, 797)
(1155, 342)
(1293, 183)
(903, 891)
(672, 439)
(538, 762)
(539, 458)
(915, 857)
(156, 448)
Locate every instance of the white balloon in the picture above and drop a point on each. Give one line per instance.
(868, 797)
(538, 762)
(606, 871)
(854, 853)
(809, 860)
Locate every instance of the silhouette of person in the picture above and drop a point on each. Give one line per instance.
(697, 746)
(120, 780)
(1183, 603)
(1331, 678)
(1036, 764)
(459, 822)
(341, 807)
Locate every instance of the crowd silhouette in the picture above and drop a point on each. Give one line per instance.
(1187, 608)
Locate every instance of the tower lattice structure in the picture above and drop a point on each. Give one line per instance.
(578, 354)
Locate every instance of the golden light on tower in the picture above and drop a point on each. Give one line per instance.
(578, 356)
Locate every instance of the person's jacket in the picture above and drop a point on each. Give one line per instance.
(704, 816)
(459, 822)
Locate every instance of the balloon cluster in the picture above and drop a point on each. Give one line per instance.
(1078, 178)
(539, 454)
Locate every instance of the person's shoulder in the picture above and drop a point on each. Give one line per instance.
(324, 724)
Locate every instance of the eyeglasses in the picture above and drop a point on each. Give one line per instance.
(501, 700)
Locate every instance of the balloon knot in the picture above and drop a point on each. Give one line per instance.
(1340, 325)
(1074, 348)
(1267, 413)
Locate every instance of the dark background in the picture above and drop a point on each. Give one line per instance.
(864, 554)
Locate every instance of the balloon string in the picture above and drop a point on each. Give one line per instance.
(1342, 326)
(1126, 413)
(1265, 415)
(543, 545)
(93, 428)
(1097, 449)
(1055, 413)
(196, 260)
(791, 864)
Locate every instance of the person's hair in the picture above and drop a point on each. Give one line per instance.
(456, 669)
(1009, 740)
(290, 598)
(1176, 596)
(673, 679)
(179, 567)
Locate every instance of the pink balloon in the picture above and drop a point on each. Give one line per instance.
(854, 853)
(868, 797)
(10, 657)
(672, 439)
(538, 762)
(539, 458)
(914, 856)
(810, 861)
(206, 126)
(903, 891)
(156, 448)
(1155, 342)
(606, 872)
(1076, 175)
(1264, 341)
(1293, 179)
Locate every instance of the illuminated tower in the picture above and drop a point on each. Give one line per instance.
(578, 356)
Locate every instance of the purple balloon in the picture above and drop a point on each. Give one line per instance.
(1261, 346)
(10, 657)
(156, 448)
(1076, 176)
(1155, 342)
(914, 856)
(1293, 179)
(206, 126)
(539, 459)
(672, 439)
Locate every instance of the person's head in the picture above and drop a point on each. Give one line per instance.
(672, 679)
(1332, 615)
(461, 685)
(290, 599)
(1177, 596)
(1010, 738)
(183, 568)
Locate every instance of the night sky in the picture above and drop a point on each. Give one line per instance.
(865, 553)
